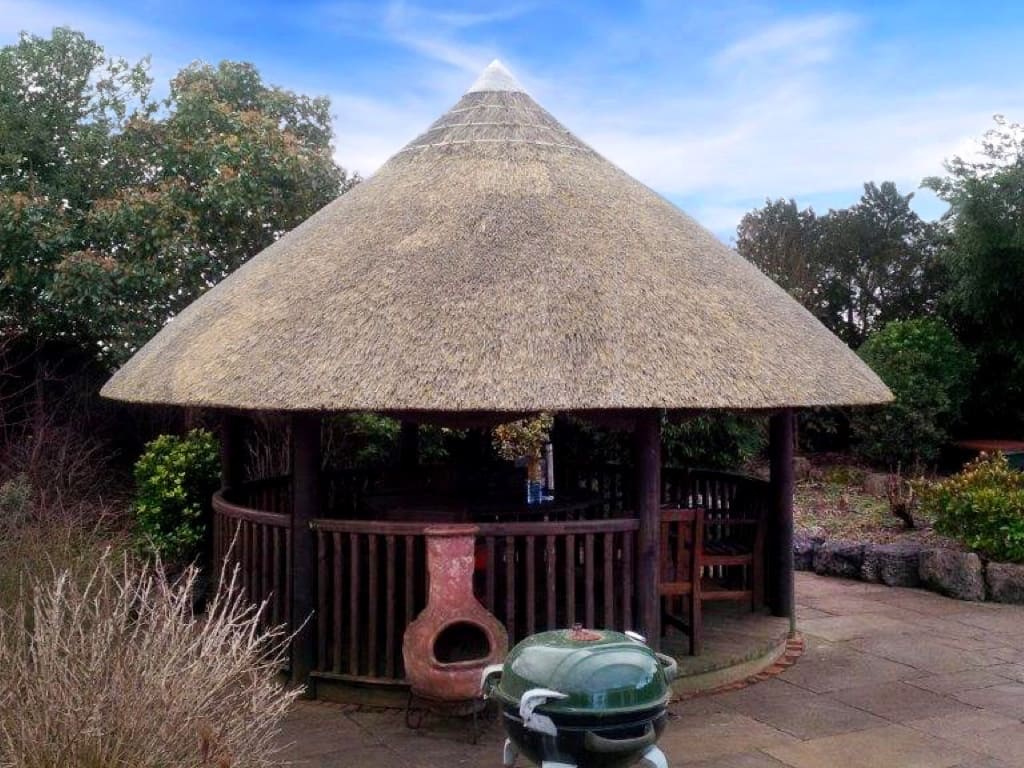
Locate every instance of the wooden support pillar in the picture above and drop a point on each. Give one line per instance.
(232, 451)
(780, 556)
(305, 449)
(409, 447)
(647, 439)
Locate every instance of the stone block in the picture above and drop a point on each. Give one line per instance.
(953, 573)
(1005, 582)
(803, 551)
(839, 558)
(895, 565)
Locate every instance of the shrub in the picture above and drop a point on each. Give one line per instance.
(720, 441)
(929, 372)
(982, 506)
(118, 671)
(175, 478)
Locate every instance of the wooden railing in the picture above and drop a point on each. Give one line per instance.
(371, 575)
(258, 543)
(612, 487)
(372, 582)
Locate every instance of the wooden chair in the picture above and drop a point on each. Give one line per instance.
(679, 586)
(732, 555)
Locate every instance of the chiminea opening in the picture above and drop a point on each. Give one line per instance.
(461, 641)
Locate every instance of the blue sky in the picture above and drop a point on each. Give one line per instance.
(715, 105)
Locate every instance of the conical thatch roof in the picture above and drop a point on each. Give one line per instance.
(497, 263)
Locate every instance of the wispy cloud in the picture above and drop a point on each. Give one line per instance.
(716, 106)
(797, 41)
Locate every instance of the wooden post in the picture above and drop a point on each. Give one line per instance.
(305, 506)
(409, 447)
(232, 451)
(647, 439)
(780, 558)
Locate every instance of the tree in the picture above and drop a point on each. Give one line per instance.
(115, 213)
(985, 260)
(881, 263)
(929, 372)
(62, 102)
(855, 268)
(782, 241)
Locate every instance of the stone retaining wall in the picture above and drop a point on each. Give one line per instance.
(962, 575)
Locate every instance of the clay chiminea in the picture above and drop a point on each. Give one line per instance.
(448, 645)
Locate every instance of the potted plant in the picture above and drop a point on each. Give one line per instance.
(524, 440)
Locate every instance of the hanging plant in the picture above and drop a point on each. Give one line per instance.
(524, 439)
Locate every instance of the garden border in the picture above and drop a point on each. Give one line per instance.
(951, 572)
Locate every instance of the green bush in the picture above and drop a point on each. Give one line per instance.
(982, 506)
(175, 478)
(929, 372)
(719, 441)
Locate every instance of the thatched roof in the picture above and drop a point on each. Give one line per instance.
(497, 263)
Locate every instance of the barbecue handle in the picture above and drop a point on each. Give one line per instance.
(596, 743)
(670, 665)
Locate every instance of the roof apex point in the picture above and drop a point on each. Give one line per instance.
(496, 77)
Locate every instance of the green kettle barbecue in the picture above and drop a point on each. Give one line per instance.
(583, 697)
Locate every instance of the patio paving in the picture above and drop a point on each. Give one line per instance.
(890, 678)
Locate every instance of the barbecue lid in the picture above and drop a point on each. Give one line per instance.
(599, 671)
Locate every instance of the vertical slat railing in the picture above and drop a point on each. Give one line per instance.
(371, 574)
(250, 541)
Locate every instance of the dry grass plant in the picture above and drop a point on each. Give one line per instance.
(119, 671)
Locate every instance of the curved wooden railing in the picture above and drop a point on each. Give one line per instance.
(259, 544)
(370, 575)
(372, 582)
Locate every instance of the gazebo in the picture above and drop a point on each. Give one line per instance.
(496, 266)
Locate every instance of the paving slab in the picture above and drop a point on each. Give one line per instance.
(886, 747)
(851, 626)
(1006, 699)
(929, 653)
(812, 716)
(716, 735)
(806, 613)
(1006, 744)
(846, 668)
(899, 701)
(1012, 671)
(739, 760)
(966, 680)
(962, 728)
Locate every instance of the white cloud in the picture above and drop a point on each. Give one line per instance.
(804, 106)
(799, 41)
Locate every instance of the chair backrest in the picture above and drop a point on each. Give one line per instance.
(682, 531)
(741, 523)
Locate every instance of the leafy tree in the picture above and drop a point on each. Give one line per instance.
(929, 372)
(855, 268)
(116, 212)
(882, 263)
(782, 241)
(985, 259)
(715, 441)
(62, 103)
